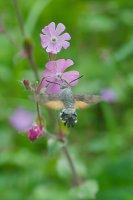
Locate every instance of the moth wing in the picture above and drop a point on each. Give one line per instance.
(84, 101)
(50, 100)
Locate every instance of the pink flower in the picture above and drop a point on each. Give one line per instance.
(52, 40)
(55, 73)
(21, 119)
(108, 95)
(34, 132)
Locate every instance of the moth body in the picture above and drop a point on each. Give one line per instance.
(68, 102)
(68, 114)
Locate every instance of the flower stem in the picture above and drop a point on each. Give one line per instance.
(32, 64)
(51, 56)
(28, 45)
(39, 115)
(19, 17)
(76, 180)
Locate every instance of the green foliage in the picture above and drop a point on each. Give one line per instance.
(86, 190)
(101, 144)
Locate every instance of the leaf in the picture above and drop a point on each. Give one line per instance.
(124, 51)
(64, 169)
(87, 190)
(97, 23)
(34, 15)
(53, 146)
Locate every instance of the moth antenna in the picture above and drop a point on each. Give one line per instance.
(64, 81)
(53, 82)
(76, 79)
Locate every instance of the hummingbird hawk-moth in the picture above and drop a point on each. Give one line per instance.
(68, 102)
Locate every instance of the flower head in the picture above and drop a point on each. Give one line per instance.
(55, 73)
(34, 132)
(21, 119)
(52, 40)
(108, 95)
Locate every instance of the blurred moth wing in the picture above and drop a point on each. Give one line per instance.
(84, 101)
(81, 101)
(50, 100)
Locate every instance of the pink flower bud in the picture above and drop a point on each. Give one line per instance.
(34, 132)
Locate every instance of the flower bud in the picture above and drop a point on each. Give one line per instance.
(27, 85)
(34, 132)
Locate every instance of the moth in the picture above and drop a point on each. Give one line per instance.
(67, 102)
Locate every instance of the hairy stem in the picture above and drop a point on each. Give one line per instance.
(29, 47)
(39, 115)
(76, 179)
(32, 64)
(19, 17)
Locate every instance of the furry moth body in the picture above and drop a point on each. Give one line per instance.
(68, 102)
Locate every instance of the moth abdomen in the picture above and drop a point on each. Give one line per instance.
(68, 117)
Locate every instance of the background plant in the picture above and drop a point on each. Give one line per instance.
(103, 151)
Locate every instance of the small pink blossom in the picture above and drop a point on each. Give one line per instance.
(55, 73)
(52, 40)
(21, 119)
(34, 132)
(108, 95)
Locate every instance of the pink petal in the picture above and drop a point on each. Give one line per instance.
(53, 89)
(46, 31)
(57, 66)
(45, 81)
(52, 48)
(108, 95)
(60, 65)
(51, 66)
(70, 76)
(44, 40)
(63, 64)
(21, 119)
(65, 44)
(58, 47)
(52, 28)
(47, 73)
(49, 49)
(68, 63)
(60, 28)
(65, 36)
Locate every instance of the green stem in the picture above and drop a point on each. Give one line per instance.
(19, 17)
(76, 179)
(21, 25)
(39, 115)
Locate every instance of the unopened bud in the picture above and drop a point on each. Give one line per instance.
(34, 132)
(28, 46)
(27, 85)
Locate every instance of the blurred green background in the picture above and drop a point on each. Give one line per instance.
(102, 141)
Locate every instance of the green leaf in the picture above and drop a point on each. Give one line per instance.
(64, 169)
(97, 23)
(87, 190)
(34, 15)
(53, 146)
